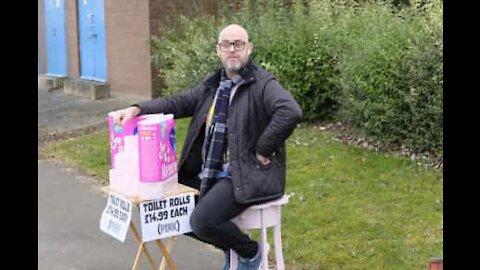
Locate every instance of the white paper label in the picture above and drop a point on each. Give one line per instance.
(116, 217)
(166, 217)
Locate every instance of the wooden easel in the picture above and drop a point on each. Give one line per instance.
(142, 247)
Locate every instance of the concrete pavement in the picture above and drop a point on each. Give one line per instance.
(70, 203)
(60, 113)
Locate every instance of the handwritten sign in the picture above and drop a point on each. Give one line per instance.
(116, 217)
(166, 217)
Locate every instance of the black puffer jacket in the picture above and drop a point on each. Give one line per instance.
(261, 116)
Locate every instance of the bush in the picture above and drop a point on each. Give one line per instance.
(184, 54)
(284, 43)
(369, 64)
(392, 76)
(299, 47)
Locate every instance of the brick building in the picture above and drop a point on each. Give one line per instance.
(95, 48)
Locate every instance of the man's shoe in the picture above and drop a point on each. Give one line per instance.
(250, 264)
(227, 260)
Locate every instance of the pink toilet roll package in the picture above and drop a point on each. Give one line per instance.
(143, 151)
(118, 133)
(156, 146)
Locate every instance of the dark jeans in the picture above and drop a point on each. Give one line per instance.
(210, 220)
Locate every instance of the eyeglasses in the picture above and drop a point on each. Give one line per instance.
(238, 45)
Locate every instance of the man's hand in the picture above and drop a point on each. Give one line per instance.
(264, 160)
(120, 117)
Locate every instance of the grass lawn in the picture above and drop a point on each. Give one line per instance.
(350, 208)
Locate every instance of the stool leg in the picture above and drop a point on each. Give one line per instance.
(263, 242)
(233, 260)
(277, 239)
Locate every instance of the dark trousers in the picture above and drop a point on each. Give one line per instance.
(210, 220)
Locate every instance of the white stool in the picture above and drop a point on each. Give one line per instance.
(261, 217)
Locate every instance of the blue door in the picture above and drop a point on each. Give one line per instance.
(55, 38)
(91, 20)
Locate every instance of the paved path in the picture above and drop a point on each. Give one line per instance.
(70, 203)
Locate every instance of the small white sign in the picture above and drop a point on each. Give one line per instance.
(116, 217)
(166, 217)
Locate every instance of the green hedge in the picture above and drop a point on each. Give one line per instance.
(368, 64)
(289, 43)
(392, 75)
(185, 53)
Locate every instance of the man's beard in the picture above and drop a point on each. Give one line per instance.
(233, 67)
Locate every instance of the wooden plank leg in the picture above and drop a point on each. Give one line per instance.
(171, 265)
(142, 248)
(137, 258)
(171, 240)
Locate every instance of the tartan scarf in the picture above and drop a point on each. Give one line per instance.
(215, 142)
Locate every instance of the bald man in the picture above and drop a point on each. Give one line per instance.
(234, 151)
